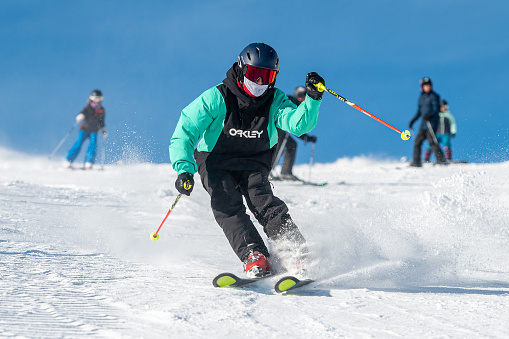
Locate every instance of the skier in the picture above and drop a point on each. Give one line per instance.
(428, 109)
(92, 118)
(446, 129)
(234, 124)
(299, 95)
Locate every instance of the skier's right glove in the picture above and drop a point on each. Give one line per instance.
(80, 117)
(313, 79)
(185, 183)
(309, 138)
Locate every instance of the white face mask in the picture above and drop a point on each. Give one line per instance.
(254, 88)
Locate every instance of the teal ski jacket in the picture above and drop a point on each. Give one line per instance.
(203, 121)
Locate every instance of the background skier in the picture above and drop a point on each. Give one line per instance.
(445, 130)
(428, 108)
(92, 117)
(290, 145)
(234, 124)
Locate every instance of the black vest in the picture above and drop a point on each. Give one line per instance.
(244, 142)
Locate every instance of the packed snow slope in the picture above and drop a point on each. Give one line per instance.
(397, 252)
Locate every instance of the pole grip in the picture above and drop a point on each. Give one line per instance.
(321, 87)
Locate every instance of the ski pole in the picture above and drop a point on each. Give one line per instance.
(311, 160)
(321, 87)
(103, 152)
(280, 151)
(155, 236)
(432, 133)
(63, 139)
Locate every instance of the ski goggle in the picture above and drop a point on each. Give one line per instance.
(254, 73)
(96, 98)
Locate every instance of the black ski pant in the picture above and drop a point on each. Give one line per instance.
(290, 151)
(227, 190)
(426, 135)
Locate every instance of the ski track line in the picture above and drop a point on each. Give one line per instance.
(54, 293)
(42, 300)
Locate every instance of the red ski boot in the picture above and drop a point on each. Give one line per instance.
(256, 265)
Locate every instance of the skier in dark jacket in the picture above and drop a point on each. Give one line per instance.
(428, 110)
(92, 118)
(446, 129)
(289, 143)
(234, 126)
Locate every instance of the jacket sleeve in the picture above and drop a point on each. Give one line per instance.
(193, 122)
(102, 115)
(293, 119)
(452, 122)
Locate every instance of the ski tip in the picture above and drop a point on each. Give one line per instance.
(286, 283)
(225, 280)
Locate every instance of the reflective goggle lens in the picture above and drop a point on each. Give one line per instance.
(254, 73)
(95, 98)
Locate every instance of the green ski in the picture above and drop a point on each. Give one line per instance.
(231, 280)
(289, 283)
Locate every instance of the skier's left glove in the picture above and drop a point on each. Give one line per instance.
(105, 133)
(313, 79)
(185, 183)
(309, 138)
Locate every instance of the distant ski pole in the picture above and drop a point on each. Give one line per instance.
(311, 160)
(432, 132)
(280, 152)
(63, 140)
(404, 135)
(155, 236)
(103, 151)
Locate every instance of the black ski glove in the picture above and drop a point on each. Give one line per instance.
(308, 138)
(184, 183)
(312, 79)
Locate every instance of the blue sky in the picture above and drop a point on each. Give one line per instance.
(152, 58)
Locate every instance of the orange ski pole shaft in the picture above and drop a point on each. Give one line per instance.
(155, 236)
(321, 87)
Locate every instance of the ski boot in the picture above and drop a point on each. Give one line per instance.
(256, 265)
(291, 257)
(290, 250)
(448, 153)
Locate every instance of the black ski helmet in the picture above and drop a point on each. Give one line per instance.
(260, 55)
(96, 95)
(426, 81)
(299, 92)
